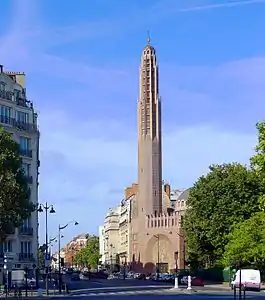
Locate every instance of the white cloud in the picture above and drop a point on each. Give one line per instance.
(92, 167)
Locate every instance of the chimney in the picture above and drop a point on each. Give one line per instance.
(167, 190)
(1, 68)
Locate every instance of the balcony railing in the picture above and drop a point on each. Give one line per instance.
(25, 152)
(26, 230)
(29, 127)
(25, 257)
(21, 100)
(7, 95)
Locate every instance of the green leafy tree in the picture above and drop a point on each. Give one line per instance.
(226, 195)
(247, 242)
(41, 257)
(258, 162)
(15, 205)
(89, 256)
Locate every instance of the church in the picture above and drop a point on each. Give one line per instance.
(157, 240)
(144, 231)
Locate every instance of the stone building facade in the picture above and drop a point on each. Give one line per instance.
(19, 118)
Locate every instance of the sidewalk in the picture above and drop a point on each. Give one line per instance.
(221, 286)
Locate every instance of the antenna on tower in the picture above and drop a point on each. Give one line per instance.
(148, 37)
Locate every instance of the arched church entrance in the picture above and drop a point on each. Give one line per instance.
(158, 253)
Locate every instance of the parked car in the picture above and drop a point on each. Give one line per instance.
(196, 281)
(75, 277)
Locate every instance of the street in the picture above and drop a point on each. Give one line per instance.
(104, 289)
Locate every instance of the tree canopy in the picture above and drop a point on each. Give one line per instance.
(258, 162)
(15, 204)
(89, 256)
(247, 242)
(228, 194)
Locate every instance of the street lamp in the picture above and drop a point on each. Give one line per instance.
(111, 262)
(50, 209)
(184, 249)
(59, 252)
(158, 256)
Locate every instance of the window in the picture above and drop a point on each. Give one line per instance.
(25, 247)
(5, 114)
(26, 223)
(27, 169)
(2, 86)
(24, 143)
(17, 94)
(6, 246)
(22, 117)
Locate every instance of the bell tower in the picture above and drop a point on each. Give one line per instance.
(149, 135)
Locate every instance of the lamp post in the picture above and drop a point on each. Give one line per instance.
(50, 209)
(184, 249)
(60, 228)
(184, 262)
(111, 256)
(158, 255)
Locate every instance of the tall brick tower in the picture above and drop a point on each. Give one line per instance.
(149, 135)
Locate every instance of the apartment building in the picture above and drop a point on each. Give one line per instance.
(18, 117)
(114, 235)
(74, 246)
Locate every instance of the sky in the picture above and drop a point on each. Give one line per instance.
(81, 60)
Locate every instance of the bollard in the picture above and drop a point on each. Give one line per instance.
(234, 288)
(189, 283)
(176, 283)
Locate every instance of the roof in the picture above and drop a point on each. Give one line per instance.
(184, 195)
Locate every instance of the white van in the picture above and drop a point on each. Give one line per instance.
(250, 279)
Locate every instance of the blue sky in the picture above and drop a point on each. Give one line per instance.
(82, 62)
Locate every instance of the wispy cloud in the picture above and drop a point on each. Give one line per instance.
(118, 26)
(221, 5)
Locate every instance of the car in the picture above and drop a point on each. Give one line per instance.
(196, 281)
(75, 277)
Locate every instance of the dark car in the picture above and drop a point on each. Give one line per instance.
(98, 275)
(75, 277)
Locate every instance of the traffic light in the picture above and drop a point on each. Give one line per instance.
(62, 262)
(5, 262)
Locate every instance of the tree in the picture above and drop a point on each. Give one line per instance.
(247, 242)
(228, 194)
(15, 205)
(89, 255)
(41, 256)
(258, 161)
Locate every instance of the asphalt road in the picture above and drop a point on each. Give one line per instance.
(121, 289)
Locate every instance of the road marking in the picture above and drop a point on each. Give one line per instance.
(121, 293)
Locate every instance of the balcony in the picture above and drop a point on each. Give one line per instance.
(25, 257)
(7, 95)
(26, 152)
(20, 100)
(22, 126)
(25, 230)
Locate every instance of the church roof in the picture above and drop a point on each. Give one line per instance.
(184, 195)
